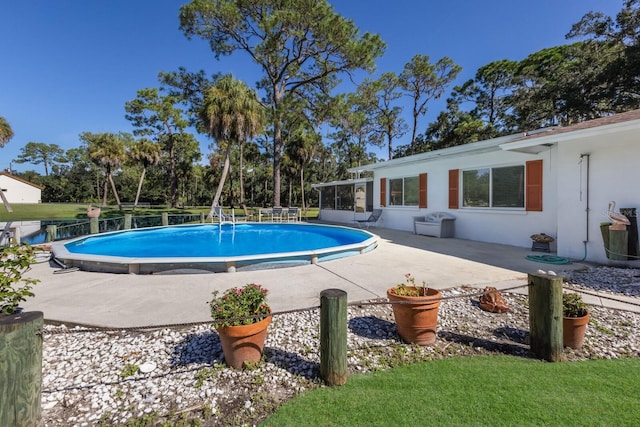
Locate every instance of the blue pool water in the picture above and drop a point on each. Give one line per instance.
(212, 247)
(210, 240)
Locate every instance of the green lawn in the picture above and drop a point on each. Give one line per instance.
(46, 211)
(73, 211)
(477, 391)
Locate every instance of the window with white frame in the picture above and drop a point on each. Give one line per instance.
(498, 187)
(404, 191)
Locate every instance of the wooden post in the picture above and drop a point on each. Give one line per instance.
(202, 218)
(545, 316)
(333, 336)
(52, 232)
(20, 368)
(604, 230)
(127, 221)
(94, 225)
(618, 244)
(165, 218)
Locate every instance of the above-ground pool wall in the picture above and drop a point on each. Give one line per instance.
(614, 175)
(495, 225)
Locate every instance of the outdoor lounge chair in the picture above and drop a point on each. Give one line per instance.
(437, 224)
(372, 220)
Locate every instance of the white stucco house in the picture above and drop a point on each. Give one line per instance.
(558, 181)
(18, 190)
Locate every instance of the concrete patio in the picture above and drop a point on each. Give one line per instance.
(126, 300)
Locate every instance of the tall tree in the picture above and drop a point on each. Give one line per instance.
(146, 153)
(40, 153)
(232, 113)
(619, 40)
(561, 86)
(380, 97)
(161, 117)
(352, 126)
(423, 82)
(452, 127)
(490, 94)
(107, 150)
(299, 45)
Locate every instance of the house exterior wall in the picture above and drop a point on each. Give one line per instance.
(496, 225)
(585, 167)
(613, 176)
(20, 192)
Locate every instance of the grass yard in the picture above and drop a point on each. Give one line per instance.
(48, 211)
(477, 391)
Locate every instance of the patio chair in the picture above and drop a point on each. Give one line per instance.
(276, 214)
(293, 214)
(372, 220)
(265, 213)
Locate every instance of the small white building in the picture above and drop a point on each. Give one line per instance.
(18, 190)
(558, 181)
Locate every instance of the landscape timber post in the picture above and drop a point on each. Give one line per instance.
(545, 316)
(618, 245)
(333, 336)
(202, 218)
(165, 218)
(94, 225)
(127, 221)
(20, 368)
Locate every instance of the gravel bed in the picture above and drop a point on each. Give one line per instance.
(173, 375)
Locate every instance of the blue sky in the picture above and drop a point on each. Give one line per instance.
(69, 66)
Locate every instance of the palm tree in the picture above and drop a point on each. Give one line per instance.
(106, 150)
(6, 133)
(147, 154)
(232, 113)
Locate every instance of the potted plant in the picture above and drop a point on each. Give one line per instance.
(15, 260)
(415, 309)
(574, 321)
(241, 317)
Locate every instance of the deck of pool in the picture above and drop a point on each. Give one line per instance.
(128, 300)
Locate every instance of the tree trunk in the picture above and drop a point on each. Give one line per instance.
(241, 173)
(104, 192)
(277, 160)
(223, 177)
(172, 173)
(115, 193)
(5, 201)
(144, 171)
(413, 134)
(97, 186)
(278, 94)
(303, 205)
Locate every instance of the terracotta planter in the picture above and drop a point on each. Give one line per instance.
(243, 343)
(573, 331)
(417, 317)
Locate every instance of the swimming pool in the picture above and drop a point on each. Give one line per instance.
(212, 247)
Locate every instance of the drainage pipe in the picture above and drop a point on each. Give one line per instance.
(588, 208)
